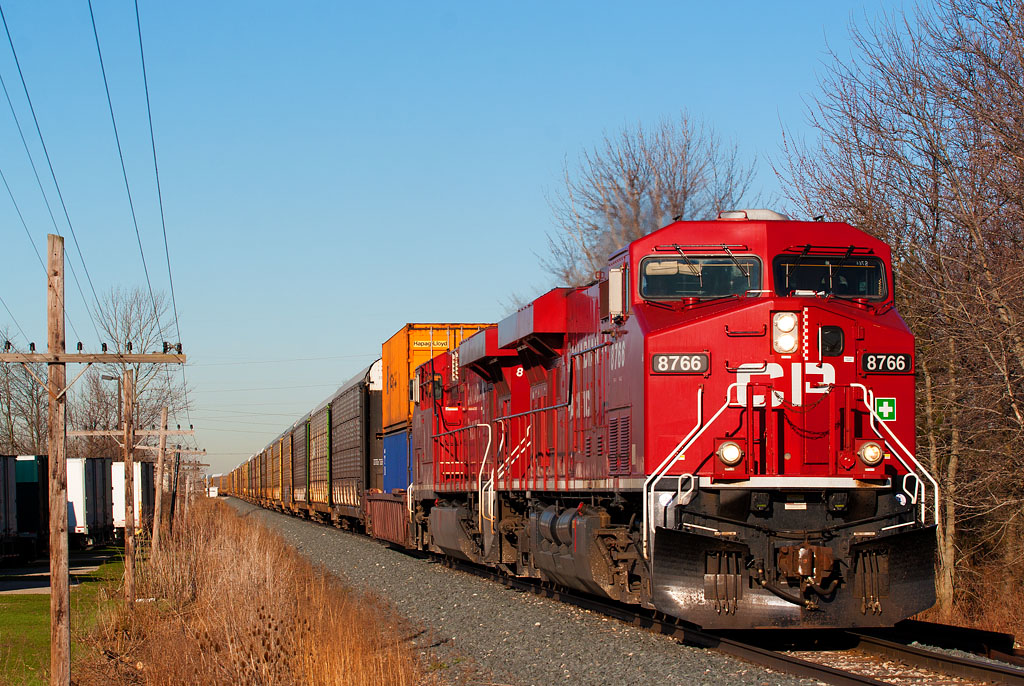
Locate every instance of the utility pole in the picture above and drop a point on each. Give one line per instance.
(158, 507)
(128, 433)
(56, 387)
(60, 603)
(128, 384)
(174, 483)
(178, 452)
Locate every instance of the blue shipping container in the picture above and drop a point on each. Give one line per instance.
(397, 466)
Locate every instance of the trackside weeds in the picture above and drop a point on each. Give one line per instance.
(228, 601)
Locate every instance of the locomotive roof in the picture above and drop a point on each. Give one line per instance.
(766, 237)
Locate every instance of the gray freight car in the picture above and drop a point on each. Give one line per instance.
(357, 464)
(8, 507)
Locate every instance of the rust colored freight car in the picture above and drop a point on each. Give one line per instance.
(300, 464)
(320, 459)
(275, 473)
(287, 494)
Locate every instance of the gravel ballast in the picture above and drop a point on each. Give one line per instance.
(476, 631)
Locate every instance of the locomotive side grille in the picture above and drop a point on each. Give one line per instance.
(613, 440)
(619, 441)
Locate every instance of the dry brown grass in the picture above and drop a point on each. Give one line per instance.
(988, 599)
(228, 602)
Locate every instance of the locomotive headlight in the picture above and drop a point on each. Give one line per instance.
(870, 454)
(785, 343)
(730, 453)
(786, 321)
(785, 332)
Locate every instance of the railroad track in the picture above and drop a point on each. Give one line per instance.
(838, 657)
(881, 657)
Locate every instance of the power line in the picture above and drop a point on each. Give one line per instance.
(34, 248)
(131, 204)
(124, 170)
(244, 413)
(280, 361)
(220, 422)
(13, 318)
(246, 431)
(49, 163)
(160, 200)
(49, 209)
(268, 388)
(22, 218)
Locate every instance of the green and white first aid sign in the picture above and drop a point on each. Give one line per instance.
(885, 408)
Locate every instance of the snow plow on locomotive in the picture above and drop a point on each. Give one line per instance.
(720, 428)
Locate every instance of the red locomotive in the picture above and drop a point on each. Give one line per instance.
(720, 428)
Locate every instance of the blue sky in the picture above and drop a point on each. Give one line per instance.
(332, 170)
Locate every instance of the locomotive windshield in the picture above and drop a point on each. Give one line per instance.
(837, 275)
(685, 276)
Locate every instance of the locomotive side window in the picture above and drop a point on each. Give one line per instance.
(837, 275)
(667, 278)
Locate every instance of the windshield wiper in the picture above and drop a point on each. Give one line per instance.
(700, 272)
(744, 272)
(790, 268)
(831, 273)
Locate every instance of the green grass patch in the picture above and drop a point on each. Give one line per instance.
(25, 623)
(25, 626)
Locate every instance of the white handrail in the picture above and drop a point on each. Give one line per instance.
(674, 456)
(655, 474)
(920, 467)
(699, 428)
(480, 475)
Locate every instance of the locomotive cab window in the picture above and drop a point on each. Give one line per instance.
(835, 275)
(685, 276)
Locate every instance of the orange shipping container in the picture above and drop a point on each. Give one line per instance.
(413, 345)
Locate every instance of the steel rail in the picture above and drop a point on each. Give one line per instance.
(968, 640)
(671, 627)
(941, 662)
(991, 644)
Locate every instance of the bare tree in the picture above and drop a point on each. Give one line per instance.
(635, 182)
(22, 407)
(125, 317)
(920, 140)
(128, 317)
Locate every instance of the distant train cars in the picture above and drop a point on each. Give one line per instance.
(143, 490)
(25, 505)
(720, 427)
(91, 499)
(95, 492)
